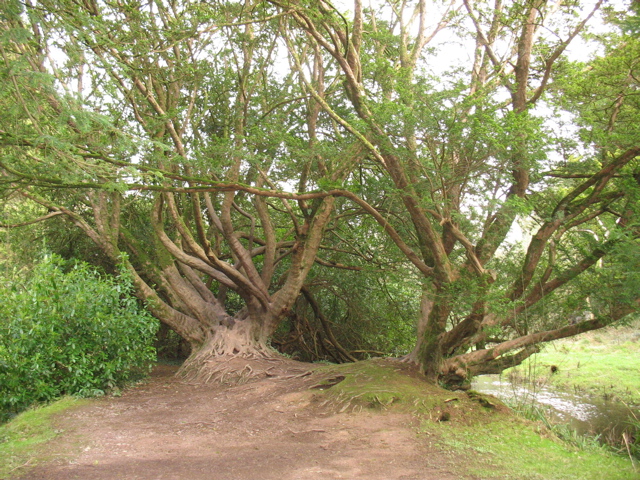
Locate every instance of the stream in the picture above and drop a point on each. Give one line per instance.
(587, 414)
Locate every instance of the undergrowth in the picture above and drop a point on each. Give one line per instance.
(67, 330)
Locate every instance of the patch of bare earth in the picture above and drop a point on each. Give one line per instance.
(264, 429)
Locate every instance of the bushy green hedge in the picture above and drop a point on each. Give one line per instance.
(65, 329)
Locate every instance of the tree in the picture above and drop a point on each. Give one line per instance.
(467, 151)
(164, 132)
(174, 132)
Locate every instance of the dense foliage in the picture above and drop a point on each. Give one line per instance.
(65, 329)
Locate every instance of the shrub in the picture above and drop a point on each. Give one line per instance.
(66, 329)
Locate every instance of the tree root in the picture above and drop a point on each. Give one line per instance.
(240, 369)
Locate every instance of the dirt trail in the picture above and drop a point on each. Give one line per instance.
(262, 430)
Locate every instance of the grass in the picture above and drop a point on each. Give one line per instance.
(605, 363)
(24, 440)
(512, 449)
(563, 431)
(479, 433)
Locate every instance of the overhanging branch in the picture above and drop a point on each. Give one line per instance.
(31, 222)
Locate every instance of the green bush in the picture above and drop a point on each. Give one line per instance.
(65, 329)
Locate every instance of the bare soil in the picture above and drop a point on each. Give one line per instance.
(267, 428)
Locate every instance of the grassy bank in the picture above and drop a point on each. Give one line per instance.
(25, 441)
(604, 363)
(511, 449)
(475, 432)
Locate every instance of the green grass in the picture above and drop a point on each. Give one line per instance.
(480, 434)
(512, 449)
(604, 363)
(24, 439)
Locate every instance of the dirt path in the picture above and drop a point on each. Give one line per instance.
(266, 429)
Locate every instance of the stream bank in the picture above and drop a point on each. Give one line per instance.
(587, 414)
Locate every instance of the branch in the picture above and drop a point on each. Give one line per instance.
(542, 290)
(341, 266)
(31, 222)
(505, 361)
(492, 357)
(325, 324)
(226, 276)
(566, 213)
(393, 234)
(423, 39)
(605, 174)
(320, 99)
(558, 51)
(487, 46)
(479, 357)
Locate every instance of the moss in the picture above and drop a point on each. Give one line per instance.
(379, 384)
(388, 385)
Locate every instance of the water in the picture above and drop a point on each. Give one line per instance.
(587, 414)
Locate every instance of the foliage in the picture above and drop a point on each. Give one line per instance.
(631, 22)
(66, 330)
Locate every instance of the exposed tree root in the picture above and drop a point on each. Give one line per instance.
(233, 355)
(241, 368)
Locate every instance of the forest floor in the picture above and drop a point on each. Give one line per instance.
(271, 428)
(373, 420)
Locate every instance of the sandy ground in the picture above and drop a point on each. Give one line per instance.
(265, 429)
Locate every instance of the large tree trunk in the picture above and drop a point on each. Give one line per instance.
(244, 339)
(426, 305)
